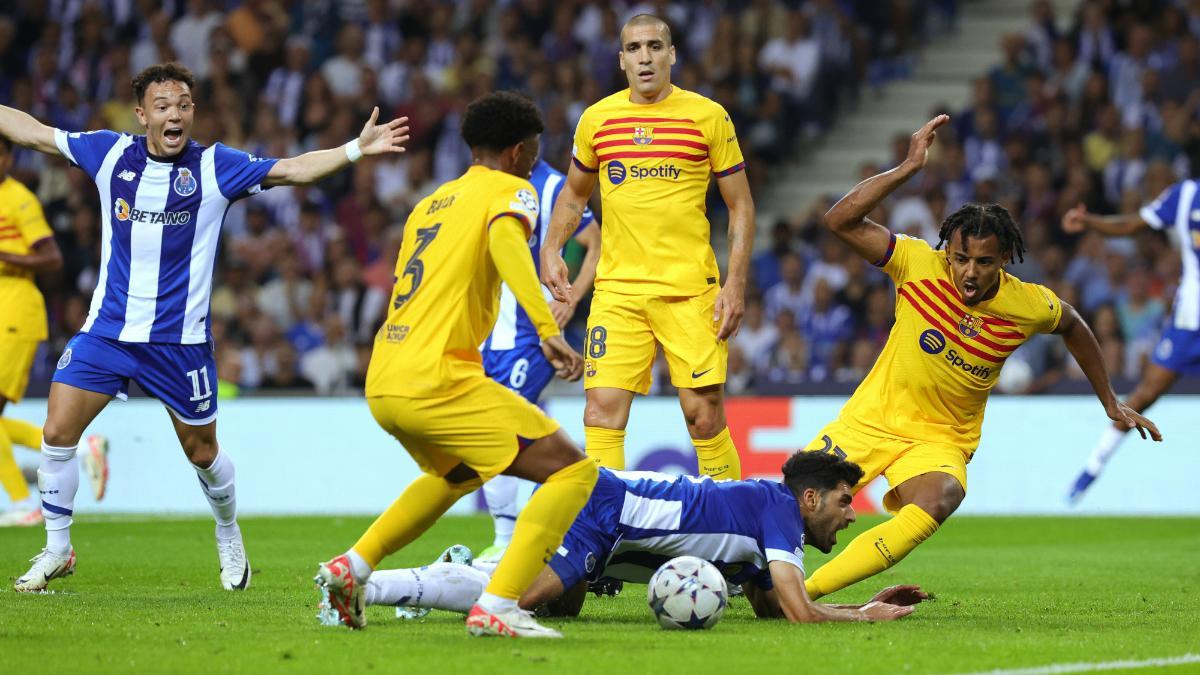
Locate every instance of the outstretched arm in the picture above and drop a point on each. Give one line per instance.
(795, 605)
(313, 166)
(1078, 219)
(21, 128)
(1081, 342)
(848, 218)
(568, 210)
(730, 305)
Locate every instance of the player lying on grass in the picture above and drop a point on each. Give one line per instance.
(752, 530)
(916, 417)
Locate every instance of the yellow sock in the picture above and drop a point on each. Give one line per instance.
(541, 526)
(606, 446)
(23, 433)
(413, 512)
(718, 457)
(873, 551)
(10, 474)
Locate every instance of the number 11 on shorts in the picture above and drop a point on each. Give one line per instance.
(198, 376)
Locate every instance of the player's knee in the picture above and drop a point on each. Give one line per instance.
(599, 413)
(58, 435)
(200, 449)
(941, 504)
(704, 422)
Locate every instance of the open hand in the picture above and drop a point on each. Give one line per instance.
(377, 139)
(554, 275)
(1131, 419)
(918, 147)
(729, 309)
(1073, 220)
(904, 595)
(568, 363)
(562, 311)
(882, 611)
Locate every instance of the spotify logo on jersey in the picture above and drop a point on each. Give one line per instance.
(616, 172)
(932, 341)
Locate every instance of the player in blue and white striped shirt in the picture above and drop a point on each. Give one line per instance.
(1177, 212)
(512, 354)
(163, 199)
(753, 531)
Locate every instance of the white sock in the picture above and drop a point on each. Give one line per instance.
(217, 482)
(1110, 440)
(359, 567)
(501, 495)
(496, 604)
(58, 481)
(448, 586)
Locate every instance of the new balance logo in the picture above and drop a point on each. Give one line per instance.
(127, 175)
(204, 406)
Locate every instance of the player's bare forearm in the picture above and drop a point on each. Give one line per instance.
(794, 603)
(848, 217)
(735, 191)
(1078, 219)
(21, 128)
(586, 276)
(568, 211)
(764, 602)
(311, 167)
(45, 256)
(1082, 344)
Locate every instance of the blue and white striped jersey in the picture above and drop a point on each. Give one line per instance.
(1178, 210)
(513, 327)
(161, 224)
(739, 526)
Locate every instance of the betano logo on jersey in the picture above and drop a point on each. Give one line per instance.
(617, 172)
(124, 212)
(933, 343)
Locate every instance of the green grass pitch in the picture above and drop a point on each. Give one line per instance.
(1011, 592)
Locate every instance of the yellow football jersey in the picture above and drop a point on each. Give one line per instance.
(941, 360)
(654, 162)
(22, 307)
(447, 288)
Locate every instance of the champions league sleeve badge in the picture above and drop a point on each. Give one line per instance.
(185, 182)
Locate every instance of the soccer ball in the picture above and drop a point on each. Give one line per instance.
(687, 593)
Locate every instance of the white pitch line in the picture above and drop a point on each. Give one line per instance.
(1056, 668)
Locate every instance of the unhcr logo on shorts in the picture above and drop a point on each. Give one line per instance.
(932, 341)
(616, 172)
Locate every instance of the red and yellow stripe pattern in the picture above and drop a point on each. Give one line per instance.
(986, 337)
(650, 138)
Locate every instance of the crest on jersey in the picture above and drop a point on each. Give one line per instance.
(185, 182)
(643, 135)
(65, 359)
(121, 209)
(970, 325)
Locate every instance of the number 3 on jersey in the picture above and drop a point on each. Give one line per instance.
(414, 267)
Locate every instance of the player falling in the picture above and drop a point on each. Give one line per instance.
(426, 383)
(917, 415)
(512, 354)
(653, 148)
(163, 200)
(753, 531)
(26, 247)
(1178, 349)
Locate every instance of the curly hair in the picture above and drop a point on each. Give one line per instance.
(982, 220)
(161, 72)
(500, 120)
(819, 470)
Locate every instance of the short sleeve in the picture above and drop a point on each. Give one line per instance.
(782, 535)
(32, 221)
(520, 203)
(86, 149)
(239, 174)
(1161, 212)
(724, 152)
(1049, 308)
(583, 153)
(902, 256)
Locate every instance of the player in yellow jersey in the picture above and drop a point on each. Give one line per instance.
(26, 247)
(916, 417)
(427, 387)
(653, 148)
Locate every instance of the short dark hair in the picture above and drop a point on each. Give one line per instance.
(982, 220)
(819, 470)
(162, 72)
(500, 120)
(646, 20)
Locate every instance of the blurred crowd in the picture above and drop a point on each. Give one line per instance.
(304, 274)
(1098, 108)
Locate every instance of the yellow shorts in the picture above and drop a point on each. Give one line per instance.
(623, 330)
(897, 459)
(482, 427)
(17, 359)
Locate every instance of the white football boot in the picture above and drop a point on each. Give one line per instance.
(235, 568)
(513, 623)
(46, 566)
(343, 601)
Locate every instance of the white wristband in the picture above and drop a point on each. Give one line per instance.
(353, 152)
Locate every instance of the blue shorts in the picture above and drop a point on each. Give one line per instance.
(1178, 350)
(183, 377)
(524, 369)
(593, 536)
